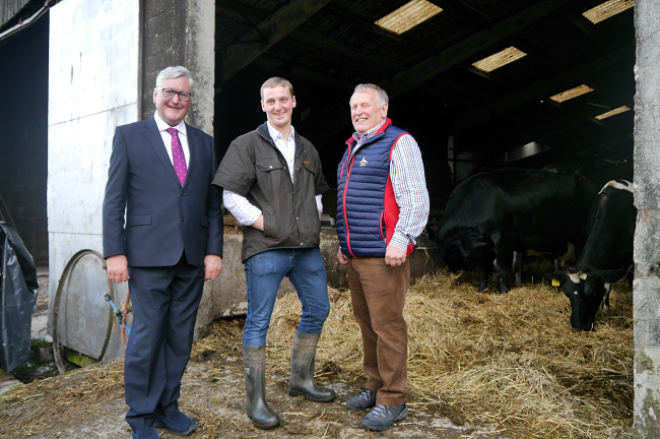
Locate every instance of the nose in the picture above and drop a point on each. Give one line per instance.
(175, 98)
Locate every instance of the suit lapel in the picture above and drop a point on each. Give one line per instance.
(193, 146)
(156, 142)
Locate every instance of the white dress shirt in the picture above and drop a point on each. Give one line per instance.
(247, 213)
(167, 137)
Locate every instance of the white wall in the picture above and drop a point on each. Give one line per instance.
(93, 87)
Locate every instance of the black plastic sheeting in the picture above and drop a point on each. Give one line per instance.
(18, 297)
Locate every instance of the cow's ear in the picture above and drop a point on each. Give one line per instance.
(556, 279)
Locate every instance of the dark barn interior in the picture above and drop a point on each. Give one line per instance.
(467, 118)
(24, 128)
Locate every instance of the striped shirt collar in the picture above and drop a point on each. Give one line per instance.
(368, 135)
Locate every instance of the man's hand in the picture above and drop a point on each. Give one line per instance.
(212, 267)
(343, 260)
(117, 267)
(259, 223)
(394, 256)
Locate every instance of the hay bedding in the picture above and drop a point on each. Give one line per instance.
(508, 360)
(506, 364)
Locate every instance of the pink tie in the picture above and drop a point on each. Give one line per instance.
(178, 159)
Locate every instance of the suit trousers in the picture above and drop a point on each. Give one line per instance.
(165, 301)
(378, 293)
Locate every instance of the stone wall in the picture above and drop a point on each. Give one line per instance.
(646, 299)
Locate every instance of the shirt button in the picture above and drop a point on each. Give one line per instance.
(301, 243)
(270, 167)
(297, 218)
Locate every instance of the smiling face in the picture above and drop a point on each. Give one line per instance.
(172, 110)
(278, 104)
(367, 111)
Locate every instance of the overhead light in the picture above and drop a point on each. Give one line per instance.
(608, 9)
(408, 16)
(613, 112)
(495, 61)
(572, 93)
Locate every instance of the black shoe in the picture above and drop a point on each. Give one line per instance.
(176, 422)
(363, 401)
(383, 416)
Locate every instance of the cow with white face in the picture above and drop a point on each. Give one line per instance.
(607, 256)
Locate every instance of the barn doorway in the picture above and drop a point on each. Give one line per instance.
(24, 141)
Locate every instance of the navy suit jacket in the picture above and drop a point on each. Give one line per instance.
(162, 218)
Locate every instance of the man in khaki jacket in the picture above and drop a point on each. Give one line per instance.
(273, 182)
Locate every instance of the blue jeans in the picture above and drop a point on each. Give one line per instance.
(263, 274)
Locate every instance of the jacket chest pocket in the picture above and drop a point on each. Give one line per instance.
(269, 165)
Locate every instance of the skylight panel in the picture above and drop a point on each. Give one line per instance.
(408, 16)
(613, 112)
(572, 93)
(499, 59)
(608, 9)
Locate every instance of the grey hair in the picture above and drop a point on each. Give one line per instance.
(172, 73)
(382, 94)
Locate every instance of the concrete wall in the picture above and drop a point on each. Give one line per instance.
(93, 87)
(646, 299)
(177, 32)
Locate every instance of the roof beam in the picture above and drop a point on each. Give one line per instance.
(558, 152)
(470, 46)
(539, 89)
(328, 123)
(511, 136)
(265, 34)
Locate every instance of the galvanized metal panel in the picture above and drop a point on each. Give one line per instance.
(9, 8)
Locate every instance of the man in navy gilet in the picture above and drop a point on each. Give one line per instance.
(382, 207)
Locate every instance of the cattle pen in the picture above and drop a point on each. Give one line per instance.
(480, 366)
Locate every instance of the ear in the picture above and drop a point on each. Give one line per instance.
(293, 102)
(155, 94)
(263, 108)
(556, 279)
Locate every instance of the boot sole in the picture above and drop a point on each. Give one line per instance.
(158, 424)
(298, 393)
(401, 416)
(264, 426)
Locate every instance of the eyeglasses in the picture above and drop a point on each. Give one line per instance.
(169, 94)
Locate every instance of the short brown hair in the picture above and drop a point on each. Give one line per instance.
(274, 82)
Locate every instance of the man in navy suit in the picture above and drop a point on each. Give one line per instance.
(162, 231)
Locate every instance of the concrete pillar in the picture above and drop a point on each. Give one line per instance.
(176, 32)
(646, 299)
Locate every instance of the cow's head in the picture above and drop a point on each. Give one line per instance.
(584, 290)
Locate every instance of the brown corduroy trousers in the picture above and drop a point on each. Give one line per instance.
(378, 293)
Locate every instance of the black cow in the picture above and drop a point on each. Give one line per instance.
(492, 215)
(607, 256)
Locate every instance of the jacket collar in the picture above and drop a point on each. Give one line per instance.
(263, 131)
